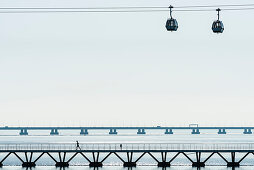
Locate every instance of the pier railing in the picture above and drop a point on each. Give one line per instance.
(129, 147)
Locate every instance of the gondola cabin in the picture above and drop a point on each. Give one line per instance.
(218, 26)
(171, 24)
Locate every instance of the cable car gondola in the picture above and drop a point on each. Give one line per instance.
(218, 26)
(171, 23)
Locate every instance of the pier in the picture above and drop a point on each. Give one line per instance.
(25, 153)
(114, 130)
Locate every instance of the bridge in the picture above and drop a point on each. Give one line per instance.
(117, 151)
(115, 130)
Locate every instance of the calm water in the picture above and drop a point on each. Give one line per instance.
(112, 163)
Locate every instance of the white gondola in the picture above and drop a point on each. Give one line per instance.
(171, 24)
(218, 26)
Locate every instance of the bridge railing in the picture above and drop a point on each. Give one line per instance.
(129, 146)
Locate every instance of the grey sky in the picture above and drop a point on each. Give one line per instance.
(125, 68)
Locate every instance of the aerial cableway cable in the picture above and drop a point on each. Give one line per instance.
(171, 24)
(224, 7)
(3, 10)
(214, 6)
(122, 8)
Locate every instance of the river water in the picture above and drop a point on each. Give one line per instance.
(113, 163)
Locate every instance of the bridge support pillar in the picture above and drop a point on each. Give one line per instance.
(222, 131)
(54, 132)
(62, 164)
(84, 132)
(198, 164)
(23, 132)
(195, 131)
(129, 164)
(112, 132)
(164, 164)
(141, 132)
(169, 131)
(233, 163)
(247, 131)
(28, 164)
(95, 164)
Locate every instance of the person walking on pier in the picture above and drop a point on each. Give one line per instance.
(77, 146)
(121, 146)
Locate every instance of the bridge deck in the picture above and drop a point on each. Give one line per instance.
(122, 127)
(140, 130)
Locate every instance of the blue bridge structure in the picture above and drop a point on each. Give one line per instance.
(29, 154)
(114, 130)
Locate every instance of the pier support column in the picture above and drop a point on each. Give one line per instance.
(169, 131)
(141, 132)
(233, 163)
(222, 131)
(130, 163)
(112, 132)
(164, 162)
(247, 131)
(62, 162)
(28, 162)
(84, 132)
(96, 162)
(23, 132)
(198, 159)
(195, 131)
(54, 132)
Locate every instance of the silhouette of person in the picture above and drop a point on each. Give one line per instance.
(77, 146)
(121, 146)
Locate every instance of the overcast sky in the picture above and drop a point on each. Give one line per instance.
(125, 68)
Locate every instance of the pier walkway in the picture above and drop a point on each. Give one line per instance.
(91, 152)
